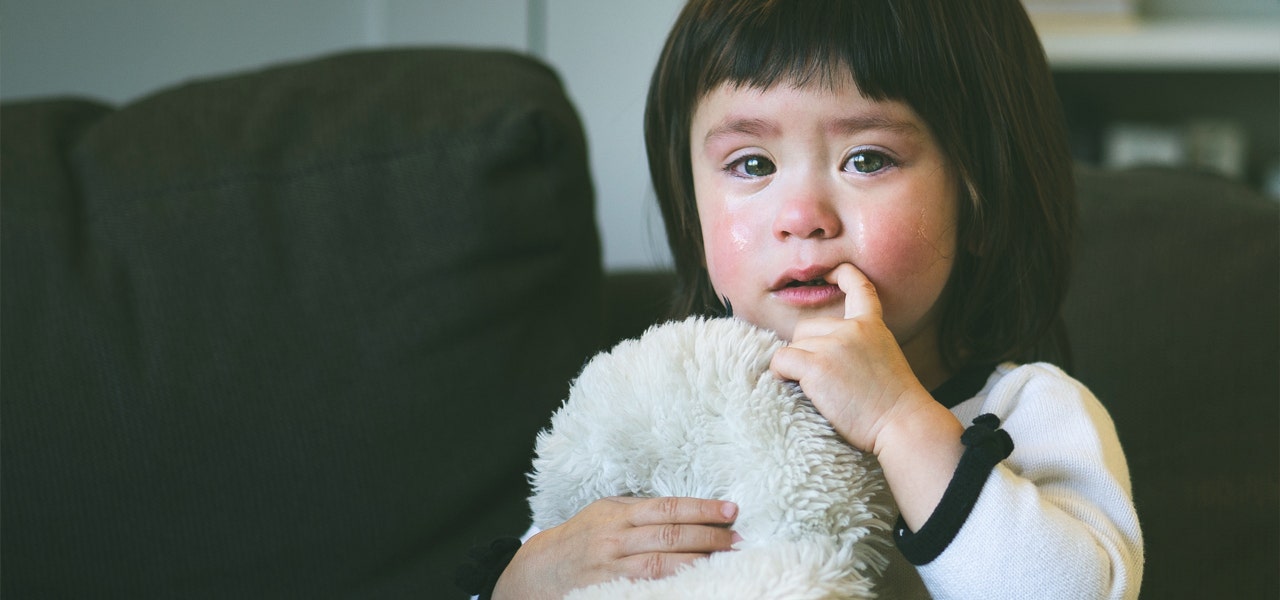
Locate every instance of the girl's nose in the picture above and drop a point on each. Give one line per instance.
(807, 213)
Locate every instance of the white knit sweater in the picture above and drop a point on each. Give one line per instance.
(1056, 518)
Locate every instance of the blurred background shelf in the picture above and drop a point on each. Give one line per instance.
(1184, 83)
(1164, 44)
(1200, 91)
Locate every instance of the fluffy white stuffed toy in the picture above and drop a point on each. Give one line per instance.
(691, 409)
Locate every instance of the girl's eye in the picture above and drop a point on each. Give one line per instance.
(868, 162)
(753, 166)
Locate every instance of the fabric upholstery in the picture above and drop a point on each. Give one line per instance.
(289, 332)
(1174, 320)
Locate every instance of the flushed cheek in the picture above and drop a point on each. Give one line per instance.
(729, 244)
(909, 258)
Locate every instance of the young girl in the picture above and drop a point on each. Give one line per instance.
(885, 184)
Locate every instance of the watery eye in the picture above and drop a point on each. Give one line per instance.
(754, 166)
(867, 162)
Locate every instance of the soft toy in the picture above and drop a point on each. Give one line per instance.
(691, 409)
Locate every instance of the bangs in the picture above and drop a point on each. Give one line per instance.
(802, 43)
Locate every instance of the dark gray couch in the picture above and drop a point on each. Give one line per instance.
(290, 333)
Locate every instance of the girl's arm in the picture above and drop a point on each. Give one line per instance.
(1057, 516)
(1054, 518)
(616, 538)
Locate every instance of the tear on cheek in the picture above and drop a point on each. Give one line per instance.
(727, 242)
(740, 237)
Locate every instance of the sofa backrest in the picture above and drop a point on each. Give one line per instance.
(1174, 320)
(289, 332)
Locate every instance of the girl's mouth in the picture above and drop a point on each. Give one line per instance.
(810, 283)
(810, 276)
(810, 293)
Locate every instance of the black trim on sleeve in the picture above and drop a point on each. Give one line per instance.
(985, 446)
(485, 564)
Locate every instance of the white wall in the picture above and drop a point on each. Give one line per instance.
(605, 51)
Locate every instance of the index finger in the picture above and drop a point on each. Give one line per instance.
(860, 297)
(657, 511)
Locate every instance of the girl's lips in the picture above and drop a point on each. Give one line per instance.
(800, 276)
(809, 296)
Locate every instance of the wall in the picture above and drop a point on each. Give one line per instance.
(606, 52)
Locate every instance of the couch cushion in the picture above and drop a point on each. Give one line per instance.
(288, 332)
(1174, 325)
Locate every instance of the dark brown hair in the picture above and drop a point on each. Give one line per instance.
(976, 74)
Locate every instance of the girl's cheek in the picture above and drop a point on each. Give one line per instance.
(909, 257)
(730, 241)
(739, 237)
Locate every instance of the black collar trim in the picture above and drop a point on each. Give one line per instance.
(963, 385)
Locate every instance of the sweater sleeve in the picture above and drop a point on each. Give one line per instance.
(533, 530)
(1056, 518)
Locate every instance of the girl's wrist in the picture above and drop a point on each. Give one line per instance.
(918, 452)
(916, 416)
(512, 582)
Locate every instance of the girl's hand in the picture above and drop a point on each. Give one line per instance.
(612, 538)
(852, 368)
(857, 376)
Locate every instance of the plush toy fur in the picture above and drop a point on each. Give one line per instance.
(691, 409)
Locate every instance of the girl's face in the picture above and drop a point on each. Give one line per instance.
(792, 182)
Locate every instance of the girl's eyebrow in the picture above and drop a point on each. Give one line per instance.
(742, 126)
(862, 123)
(843, 126)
